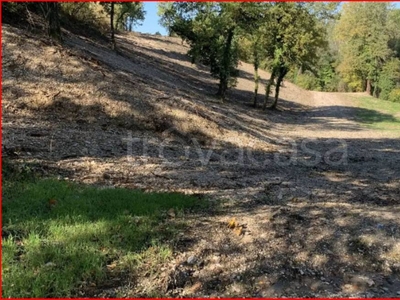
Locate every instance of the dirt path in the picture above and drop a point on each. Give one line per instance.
(317, 193)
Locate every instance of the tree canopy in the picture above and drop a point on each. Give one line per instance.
(284, 34)
(363, 36)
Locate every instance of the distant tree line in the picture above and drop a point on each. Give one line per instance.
(368, 49)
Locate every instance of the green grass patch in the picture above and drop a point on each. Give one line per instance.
(59, 236)
(379, 114)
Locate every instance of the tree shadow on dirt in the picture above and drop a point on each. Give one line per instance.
(327, 114)
(339, 237)
(298, 262)
(323, 118)
(250, 77)
(328, 208)
(174, 55)
(318, 240)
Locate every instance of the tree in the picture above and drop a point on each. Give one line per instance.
(129, 14)
(51, 13)
(389, 78)
(109, 7)
(363, 43)
(291, 36)
(112, 7)
(251, 46)
(123, 15)
(167, 14)
(394, 32)
(210, 29)
(323, 76)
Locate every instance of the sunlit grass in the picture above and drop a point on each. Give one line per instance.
(58, 236)
(379, 114)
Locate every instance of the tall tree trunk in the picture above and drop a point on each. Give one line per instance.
(299, 72)
(224, 74)
(281, 74)
(54, 21)
(256, 80)
(268, 88)
(256, 77)
(51, 14)
(112, 25)
(130, 22)
(374, 83)
(368, 87)
(375, 92)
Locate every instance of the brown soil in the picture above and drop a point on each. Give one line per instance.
(317, 192)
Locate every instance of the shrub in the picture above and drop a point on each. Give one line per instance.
(394, 95)
(308, 82)
(91, 14)
(342, 86)
(389, 78)
(385, 86)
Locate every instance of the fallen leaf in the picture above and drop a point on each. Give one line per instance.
(232, 223)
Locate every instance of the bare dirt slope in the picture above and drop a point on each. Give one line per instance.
(317, 192)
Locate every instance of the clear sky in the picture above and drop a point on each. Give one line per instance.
(150, 23)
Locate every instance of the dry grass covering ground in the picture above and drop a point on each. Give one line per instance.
(316, 190)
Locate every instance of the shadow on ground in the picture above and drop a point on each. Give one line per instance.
(323, 213)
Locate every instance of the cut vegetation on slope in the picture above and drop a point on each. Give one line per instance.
(322, 229)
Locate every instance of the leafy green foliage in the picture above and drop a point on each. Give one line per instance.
(389, 78)
(393, 25)
(123, 15)
(363, 43)
(127, 14)
(394, 95)
(291, 36)
(167, 14)
(210, 29)
(308, 81)
(279, 36)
